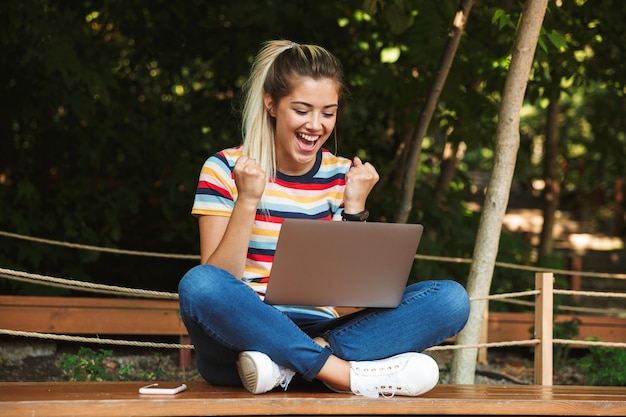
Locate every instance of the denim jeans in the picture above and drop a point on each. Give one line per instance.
(224, 316)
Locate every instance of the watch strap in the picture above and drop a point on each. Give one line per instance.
(356, 217)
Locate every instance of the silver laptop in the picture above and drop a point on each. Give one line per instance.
(343, 264)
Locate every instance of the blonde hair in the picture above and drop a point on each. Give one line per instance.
(277, 63)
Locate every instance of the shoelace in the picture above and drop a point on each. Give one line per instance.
(285, 377)
(375, 381)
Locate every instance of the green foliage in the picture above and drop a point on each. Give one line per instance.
(151, 375)
(109, 115)
(398, 13)
(91, 365)
(108, 110)
(604, 366)
(87, 365)
(564, 330)
(501, 18)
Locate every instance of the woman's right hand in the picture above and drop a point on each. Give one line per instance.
(250, 180)
(224, 240)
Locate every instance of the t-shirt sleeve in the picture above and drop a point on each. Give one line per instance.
(216, 192)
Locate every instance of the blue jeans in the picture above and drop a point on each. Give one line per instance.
(224, 316)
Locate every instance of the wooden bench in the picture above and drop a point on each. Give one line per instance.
(122, 399)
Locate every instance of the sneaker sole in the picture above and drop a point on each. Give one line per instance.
(248, 373)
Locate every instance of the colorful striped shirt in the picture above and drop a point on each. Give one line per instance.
(317, 194)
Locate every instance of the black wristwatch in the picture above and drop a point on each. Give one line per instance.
(357, 217)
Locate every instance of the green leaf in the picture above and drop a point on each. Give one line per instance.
(557, 40)
(399, 16)
(501, 17)
(369, 6)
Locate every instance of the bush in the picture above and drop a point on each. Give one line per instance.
(86, 365)
(604, 366)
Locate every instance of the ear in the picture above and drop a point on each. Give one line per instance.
(269, 105)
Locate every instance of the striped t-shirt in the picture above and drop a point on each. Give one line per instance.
(317, 194)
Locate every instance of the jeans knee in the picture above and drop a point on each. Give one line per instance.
(458, 297)
(187, 285)
(206, 290)
(200, 283)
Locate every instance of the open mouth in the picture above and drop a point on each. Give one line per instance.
(307, 142)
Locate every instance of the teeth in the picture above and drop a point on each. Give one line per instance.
(308, 138)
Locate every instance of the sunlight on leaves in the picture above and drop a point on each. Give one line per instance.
(179, 90)
(92, 16)
(390, 55)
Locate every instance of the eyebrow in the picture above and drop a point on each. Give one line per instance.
(303, 103)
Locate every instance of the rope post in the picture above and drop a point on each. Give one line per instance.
(184, 355)
(544, 306)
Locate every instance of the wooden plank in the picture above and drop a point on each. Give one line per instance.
(122, 399)
(505, 327)
(75, 315)
(607, 329)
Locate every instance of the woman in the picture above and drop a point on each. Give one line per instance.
(282, 171)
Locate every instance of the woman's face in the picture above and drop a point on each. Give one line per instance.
(304, 121)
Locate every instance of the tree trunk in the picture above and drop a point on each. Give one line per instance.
(449, 163)
(494, 208)
(394, 175)
(552, 190)
(408, 184)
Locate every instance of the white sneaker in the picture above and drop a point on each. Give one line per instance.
(410, 374)
(260, 374)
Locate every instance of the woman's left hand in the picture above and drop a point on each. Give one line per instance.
(360, 180)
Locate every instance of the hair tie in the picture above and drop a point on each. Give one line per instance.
(293, 44)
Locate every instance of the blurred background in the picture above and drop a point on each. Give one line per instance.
(109, 108)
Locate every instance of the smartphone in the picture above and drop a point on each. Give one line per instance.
(156, 389)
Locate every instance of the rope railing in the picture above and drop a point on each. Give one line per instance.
(117, 290)
(197, 257)
(109, 289)
(595, 343)
(591, 293)
(530, 342)
(85, 286)
(99, 248)
(94, 340)
(524, 267)
(125, 291)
